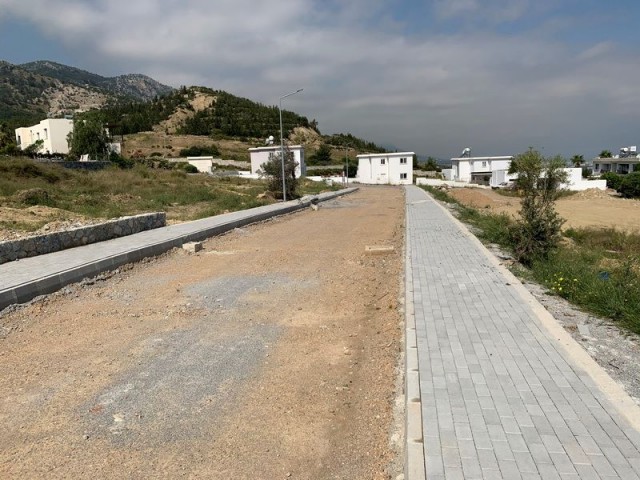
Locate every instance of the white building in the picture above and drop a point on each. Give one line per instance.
(53, 132)
(203, 164)
(481, 170)
(622, 164)
(385, 168)
(260, 155)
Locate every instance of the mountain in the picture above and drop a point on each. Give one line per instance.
(36, 90)
(134, 86)
(21, 93)
(138, 106)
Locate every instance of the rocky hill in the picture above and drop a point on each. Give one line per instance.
(33, 91)
(134, 86)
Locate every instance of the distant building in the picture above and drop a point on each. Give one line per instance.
(622, 164)
(481, 170)
(494, 172)
(385, 168)
(203, 164)
(260, 155)
(53, 132)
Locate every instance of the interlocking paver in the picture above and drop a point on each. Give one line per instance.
(500, 398)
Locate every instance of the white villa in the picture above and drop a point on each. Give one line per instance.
(385, 168)
(53, 133)
(260, 156)
(481, 170)
(494, 172)
(622, 164)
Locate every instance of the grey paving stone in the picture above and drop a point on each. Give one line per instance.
(507, 401)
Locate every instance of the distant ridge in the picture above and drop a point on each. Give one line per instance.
(137, 86)
(36, 90)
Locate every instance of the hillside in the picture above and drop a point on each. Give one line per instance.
(34, 91)
(21, 93)
(134, 86)
(152, 118)
(200, 116)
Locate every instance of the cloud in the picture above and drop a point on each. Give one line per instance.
(430, 92)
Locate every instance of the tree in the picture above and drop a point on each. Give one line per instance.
(88, 138)
(537, 232)
(272, 169)
(605, 154)
(577, 160)
(322, 156)
(431, 165)
(34, 149)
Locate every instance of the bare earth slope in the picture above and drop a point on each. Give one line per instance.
(591, 208)
(270, 354)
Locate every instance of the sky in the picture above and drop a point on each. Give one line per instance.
(430, 76)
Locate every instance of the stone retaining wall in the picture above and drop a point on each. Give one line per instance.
(53, 242)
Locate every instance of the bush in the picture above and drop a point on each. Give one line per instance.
(613, 180)
(630, 185)
(586, 172)
(34, 196)
(187, 167)
(272, 169)
(200, 151)
(537, 233)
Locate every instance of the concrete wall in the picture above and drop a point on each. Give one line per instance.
(53, 242)
(203, 164)
(576, 183)
(441, 183)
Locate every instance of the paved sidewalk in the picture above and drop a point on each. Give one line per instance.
(501, 398)
(22, 280)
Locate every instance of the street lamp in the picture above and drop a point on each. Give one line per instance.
(346, 159)
(284, 187)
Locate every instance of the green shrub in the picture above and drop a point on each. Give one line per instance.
(613, 180)
(537, 232)
(200, 150)
(188, 168)
(630, 185)
(35, 196)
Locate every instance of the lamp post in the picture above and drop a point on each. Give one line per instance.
(346, 159)
(284, 186)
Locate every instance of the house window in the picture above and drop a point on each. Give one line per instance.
(383, 161)
(403, 176)
(484, 164)
(403, 161)
(46, 134)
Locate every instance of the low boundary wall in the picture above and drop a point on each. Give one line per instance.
(53, 242)
(50, 276)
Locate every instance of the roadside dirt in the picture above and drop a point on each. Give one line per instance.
(591, 208)
(270, 354)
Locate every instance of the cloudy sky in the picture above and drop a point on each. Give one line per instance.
(432, 76)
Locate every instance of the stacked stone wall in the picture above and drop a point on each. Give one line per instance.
(53, 242)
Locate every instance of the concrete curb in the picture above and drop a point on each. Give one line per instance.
(415, 467)
(572, 350)
(49, 283)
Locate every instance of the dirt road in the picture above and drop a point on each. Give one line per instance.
(271, 354)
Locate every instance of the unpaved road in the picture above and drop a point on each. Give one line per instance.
(273, 353)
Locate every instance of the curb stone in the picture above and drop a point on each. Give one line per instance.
(26, 279)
